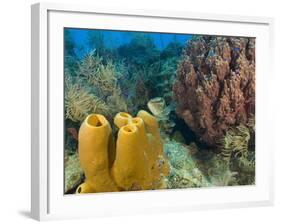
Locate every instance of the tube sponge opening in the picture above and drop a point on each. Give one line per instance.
(95, 120)
(84, 188)
(137, 121)
(125, 115)
(129, 128)
(122, 119)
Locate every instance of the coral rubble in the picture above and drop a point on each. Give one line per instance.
(73, 172)
(194, 167)
(215, 85)
(184, 168)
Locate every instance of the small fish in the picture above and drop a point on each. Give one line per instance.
(73, 132)
(211, 53)
(236, 49)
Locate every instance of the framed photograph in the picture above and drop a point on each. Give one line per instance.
(148, 111)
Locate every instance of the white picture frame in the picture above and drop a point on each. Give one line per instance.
(48, 201)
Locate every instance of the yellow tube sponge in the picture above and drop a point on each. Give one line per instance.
(121, 119)
(130, 168)
(149, 143)
(137, 162)
(160, 163)
(93, 145)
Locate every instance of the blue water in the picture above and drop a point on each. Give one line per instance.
(114, 39)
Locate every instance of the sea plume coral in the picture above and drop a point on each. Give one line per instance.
(79, 102)
(235, 142)
(237, 154)
(102, 78)
(215, 85)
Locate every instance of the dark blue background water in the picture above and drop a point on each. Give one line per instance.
(114, 39)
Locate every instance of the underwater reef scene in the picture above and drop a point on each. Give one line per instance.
(149, 111)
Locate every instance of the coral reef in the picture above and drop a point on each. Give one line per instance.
(200, 91)
(136, 163)
(140, 51)
(215, 86)
(141, 58)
